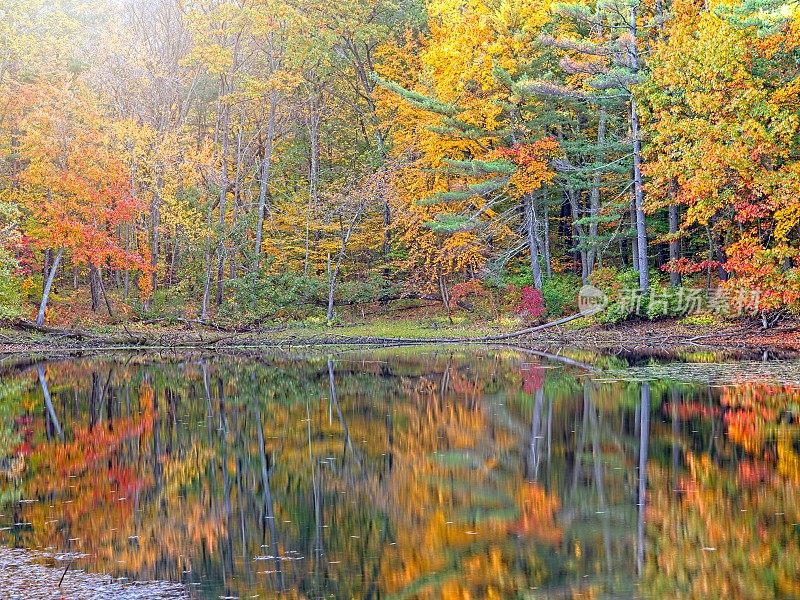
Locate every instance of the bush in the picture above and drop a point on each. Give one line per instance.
(257, 295)
(365, 289)
(531, 305)
(624, 301)
(560, 293)
(517, 274)
(10, 285)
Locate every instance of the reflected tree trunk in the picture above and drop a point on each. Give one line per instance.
(599, 483)
(644, 441)
(48, 402)
(335, 400)
(576, 469)
(536, 436)
(274, 546)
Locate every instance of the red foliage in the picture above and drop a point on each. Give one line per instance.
(532, 378)
(531, 305)
(753, 474)
(686, 267)
(20, 247)
(464, 289)
(526, 154)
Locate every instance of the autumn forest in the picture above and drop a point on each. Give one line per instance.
(397, 299)
(237, 161)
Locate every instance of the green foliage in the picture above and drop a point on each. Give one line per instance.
(663, 302)
(10, 295)
(364, 289)
(164, 304)
(517, 274)
(561, 293)
(417, 99)
(626, 302)
(448, 223)
(480, 167)
(256, 295)
(475, 189)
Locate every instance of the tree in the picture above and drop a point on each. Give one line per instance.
(75, 188)
(725, 135)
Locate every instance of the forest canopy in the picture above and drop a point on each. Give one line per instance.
(250, 160)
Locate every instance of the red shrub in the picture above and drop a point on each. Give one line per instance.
(531, 305)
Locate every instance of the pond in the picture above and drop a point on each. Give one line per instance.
(405, 473)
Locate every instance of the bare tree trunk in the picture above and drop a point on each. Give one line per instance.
(534, 454)
(130, 234)
(313, 175)
(445, 295)
(674, 244)
(155, 217)
(644, 442)
(578, 232)
(94, 286)
(634, 244)
(103, 292)
(48, 286)
(223, 196)
(335, 273)
(207, 283)
(234, 253)
(265, 172)
(594, 198)
(546, 207)
(269, 510)
(530, 222)
(173, 259)
(641, 226)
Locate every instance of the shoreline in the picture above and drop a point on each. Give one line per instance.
(658, 339)
(25, 574)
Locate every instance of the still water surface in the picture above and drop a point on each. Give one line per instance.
(410, 473)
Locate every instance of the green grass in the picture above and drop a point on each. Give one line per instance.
(400, 329)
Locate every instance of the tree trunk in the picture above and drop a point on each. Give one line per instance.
(155, 217)
(445, 296)
(644, 443)
(546, 207)
(48, 402)
(223, 196)
(313, 175)
(266, 163)
(335, 273)
(207, 281)
(641, 228)
(594, 198)
(48, 286)
(634, 244)
(269, 510)
(530, 222)
(674, 244)
(94, 286)
(578, 232)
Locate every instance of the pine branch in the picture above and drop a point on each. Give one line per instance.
(475, 189)
(480, 167)
(417, 99)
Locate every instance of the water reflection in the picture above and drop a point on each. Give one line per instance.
(403, 474)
